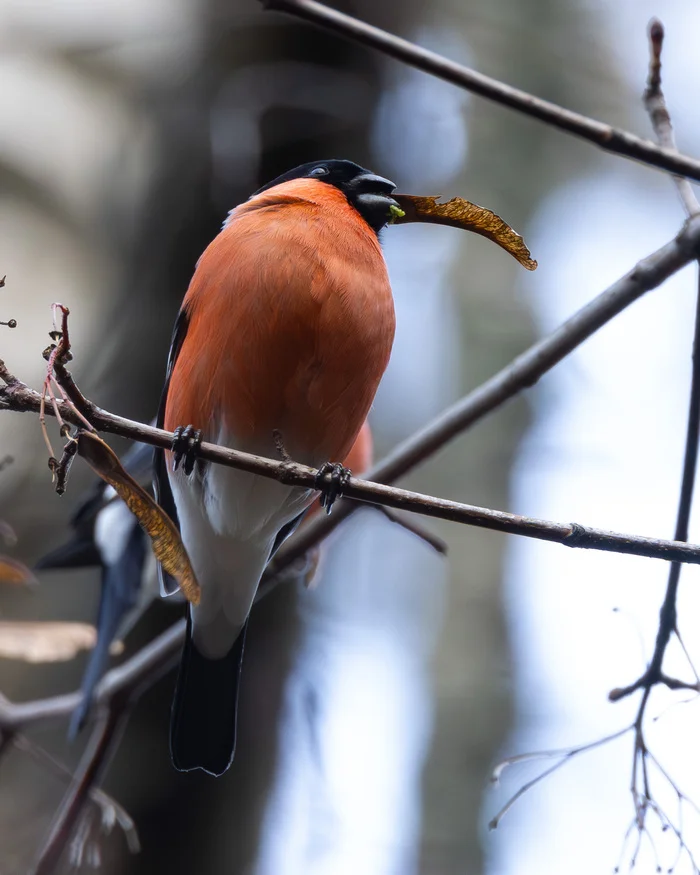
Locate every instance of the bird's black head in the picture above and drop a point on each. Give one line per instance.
(368, 193)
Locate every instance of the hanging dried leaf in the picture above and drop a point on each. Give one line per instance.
(459, 213)
(15, 573)
(45, 642)
(167, 545)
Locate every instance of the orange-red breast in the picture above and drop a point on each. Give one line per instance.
(282, 339)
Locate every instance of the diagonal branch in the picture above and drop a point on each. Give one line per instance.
(111, 811)
(605, 136)
(102, 744)
(520, 374)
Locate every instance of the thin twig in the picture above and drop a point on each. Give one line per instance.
(104, 738)
(435, 541)
(563, 756)
(111, 811)
(61, 469)
(116, 694)
(114, 699)
(655, 105)
(605, 136)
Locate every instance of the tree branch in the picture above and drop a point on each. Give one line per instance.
(522, 373)
(655, 105)
(605, 136)
(19, 397)
(644, 762)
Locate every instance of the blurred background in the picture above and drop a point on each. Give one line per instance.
(375, 705)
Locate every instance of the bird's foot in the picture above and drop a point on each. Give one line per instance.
(185, 447)
(330, 491)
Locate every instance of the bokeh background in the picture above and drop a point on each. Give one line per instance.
(375, 706)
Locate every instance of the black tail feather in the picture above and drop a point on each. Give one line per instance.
(203, 720)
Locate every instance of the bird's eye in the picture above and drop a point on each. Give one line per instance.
(319, 171)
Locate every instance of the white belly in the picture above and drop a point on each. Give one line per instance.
(229, 521)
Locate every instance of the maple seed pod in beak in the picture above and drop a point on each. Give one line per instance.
(460, 213)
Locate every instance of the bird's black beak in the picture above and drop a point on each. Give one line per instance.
(371, 196)
(370, 183)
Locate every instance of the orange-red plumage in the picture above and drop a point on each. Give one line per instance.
(359, 459)
(291, 323)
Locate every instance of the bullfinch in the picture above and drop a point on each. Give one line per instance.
(278, 349)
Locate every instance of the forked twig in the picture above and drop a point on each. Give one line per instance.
(563, 755)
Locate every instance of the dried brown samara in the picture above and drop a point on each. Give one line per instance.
(460, 213)
(167, 545)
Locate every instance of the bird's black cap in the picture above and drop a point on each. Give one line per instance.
(367, 192)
